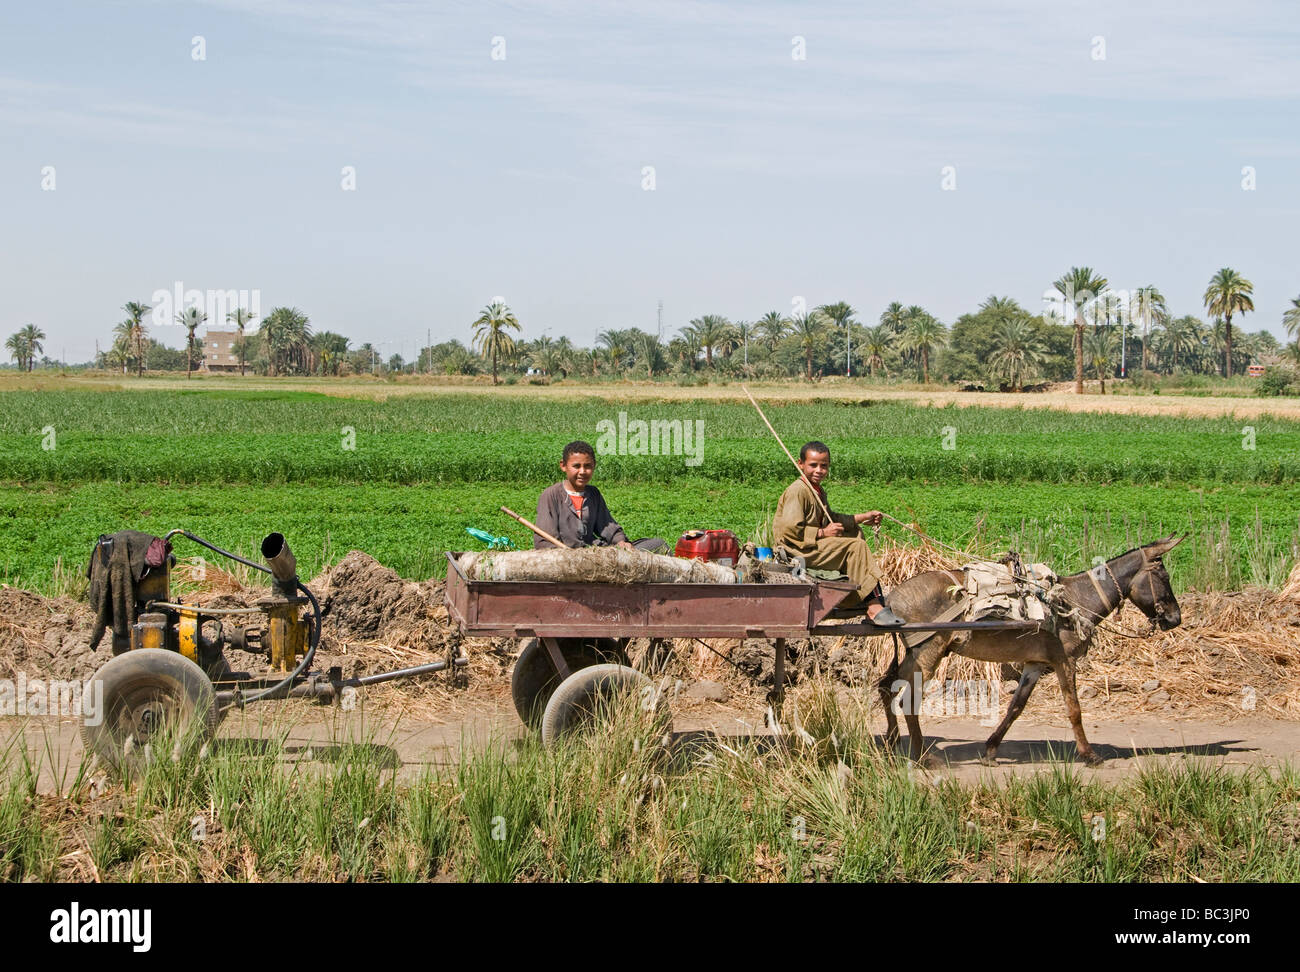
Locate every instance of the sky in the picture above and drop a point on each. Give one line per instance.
(391, 167)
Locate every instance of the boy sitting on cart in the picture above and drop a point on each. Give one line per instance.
(574, 512)
(802, 528)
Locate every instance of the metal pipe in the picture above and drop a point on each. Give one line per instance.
(318, 687)
(284, 568)
(404, 672)
(214, 612)
(281, 688)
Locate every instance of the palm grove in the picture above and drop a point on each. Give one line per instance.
(1090, 331)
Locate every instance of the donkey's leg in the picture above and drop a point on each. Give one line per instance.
(917, 669)
(1028, 679)
(885, 688)
(1065, 675)
(909, 672)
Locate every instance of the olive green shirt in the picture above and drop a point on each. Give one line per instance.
(799, 516)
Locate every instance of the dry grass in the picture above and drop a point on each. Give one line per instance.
(788, 390)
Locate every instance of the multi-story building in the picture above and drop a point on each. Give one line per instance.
(219, 353)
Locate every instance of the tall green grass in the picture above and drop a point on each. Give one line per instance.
(614, 806)
(233, 437)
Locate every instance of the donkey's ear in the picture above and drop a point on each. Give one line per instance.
(1161, 547)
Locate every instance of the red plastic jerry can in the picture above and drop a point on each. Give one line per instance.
(714, 546)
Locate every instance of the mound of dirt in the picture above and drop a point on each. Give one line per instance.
(362, 600)
(47, 637)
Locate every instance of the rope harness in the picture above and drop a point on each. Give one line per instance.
(1073, 613)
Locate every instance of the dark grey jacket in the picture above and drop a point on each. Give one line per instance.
(555, 515)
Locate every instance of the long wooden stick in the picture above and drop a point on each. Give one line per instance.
(533, 526)
(816, 495)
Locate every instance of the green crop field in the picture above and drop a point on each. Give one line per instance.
(403, 478)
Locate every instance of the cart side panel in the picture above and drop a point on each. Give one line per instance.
(729, 611)
(558, 609)
(826, 597)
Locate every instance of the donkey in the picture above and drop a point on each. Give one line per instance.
(1138, 575)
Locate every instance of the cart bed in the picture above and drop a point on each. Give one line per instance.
(547, 609)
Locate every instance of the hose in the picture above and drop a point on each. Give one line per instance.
(283, 685)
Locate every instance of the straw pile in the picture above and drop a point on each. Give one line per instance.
(592, 565)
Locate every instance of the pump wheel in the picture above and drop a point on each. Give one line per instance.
(151, 698)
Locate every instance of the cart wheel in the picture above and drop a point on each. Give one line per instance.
(585, 696)
(149, 695)
(534, 678)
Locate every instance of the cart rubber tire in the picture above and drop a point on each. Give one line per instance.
(534, 679)
(145, 692)
(578, 699)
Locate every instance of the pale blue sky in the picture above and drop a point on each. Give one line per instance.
(522, 177)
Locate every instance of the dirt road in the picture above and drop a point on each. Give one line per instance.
(313, 733)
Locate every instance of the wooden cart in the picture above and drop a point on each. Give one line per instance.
(575, 635)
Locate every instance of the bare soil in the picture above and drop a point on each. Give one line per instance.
(1058, 396)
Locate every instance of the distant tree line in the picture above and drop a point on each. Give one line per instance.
(1088, 331)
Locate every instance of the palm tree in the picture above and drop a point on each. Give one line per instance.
(841, 314)
(924, 332)
(545, 355)
(810, 330)
(1019, 352)
(651, 350)
(135, 312)
(773, 326)
(1228, 293)
(685, 349)
(712, 331)
(490, 332)
(1079, 287)
(122, 335)
(190, 319)
(1181, 335)
(1099, 346)
(1150, 306)
(567, 355)
(240, 317)
(1000, 308)
(894, 317)
(618, 346)
(330, 350)
(33, 335)
(1291, 319)
(19, 349)
(285, 333)
(876, 341)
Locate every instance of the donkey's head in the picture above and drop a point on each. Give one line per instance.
(1150, 589)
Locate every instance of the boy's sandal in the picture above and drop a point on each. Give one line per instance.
(886, 619)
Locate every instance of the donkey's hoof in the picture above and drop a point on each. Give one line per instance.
(989, 759)
(1092, 759)
(930, 761)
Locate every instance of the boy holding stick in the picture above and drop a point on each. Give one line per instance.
(574, 512)
(805, 525)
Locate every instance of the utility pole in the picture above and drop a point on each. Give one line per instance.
(1123, 338)
(428, 345)
(661, 320)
